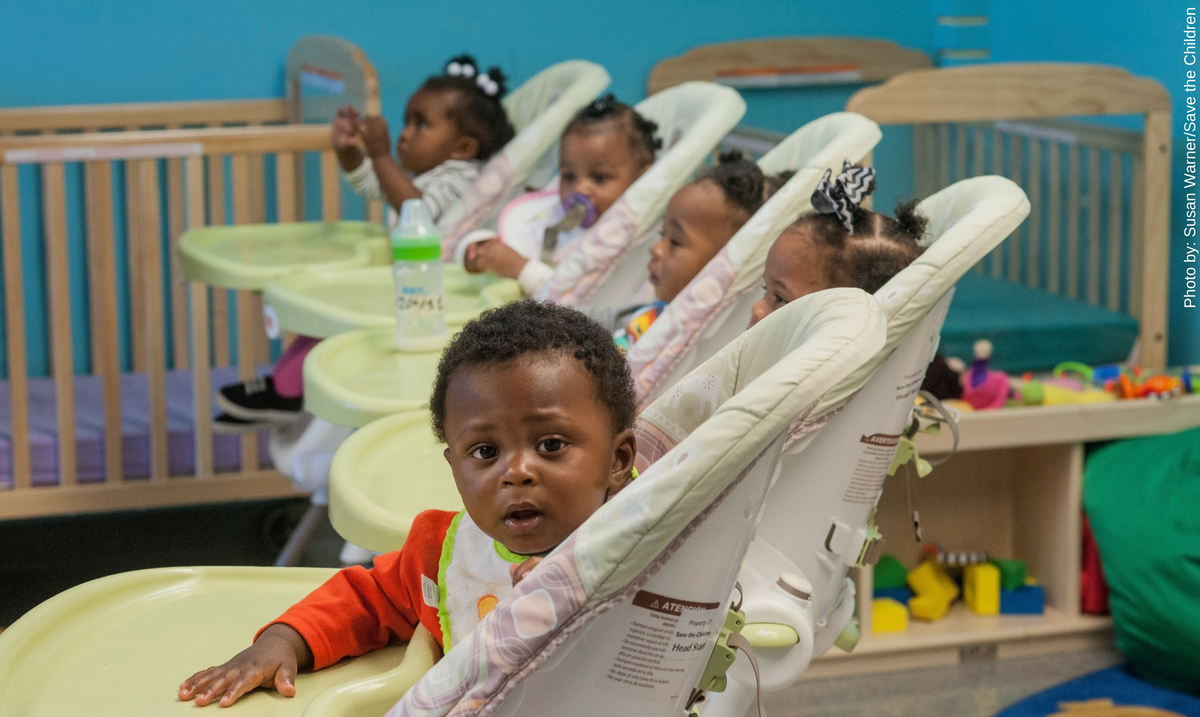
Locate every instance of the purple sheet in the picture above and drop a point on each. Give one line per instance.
(135, 429)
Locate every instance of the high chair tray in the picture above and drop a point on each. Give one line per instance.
(383, 476)
(357, 377)
(121, 645)
(249, 256)
(328, 303)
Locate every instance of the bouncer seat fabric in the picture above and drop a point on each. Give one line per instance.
(540, 109)
(672, 539)
(692, 119)
(715, 306)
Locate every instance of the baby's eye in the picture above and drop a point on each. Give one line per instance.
(551, 445)
(779, 300)
(567, 177)
(484, 453)
(599, 178)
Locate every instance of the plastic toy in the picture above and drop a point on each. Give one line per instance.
(900, 594)
(982, 387)
(889, 573)
(887, 615)
(1012, 573)
(934, 591)
(1029, 599)
(981, 588)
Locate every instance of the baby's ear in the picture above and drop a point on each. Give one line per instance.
(466, 148)
(624, 453)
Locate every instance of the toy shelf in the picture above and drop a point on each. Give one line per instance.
(1014, 489)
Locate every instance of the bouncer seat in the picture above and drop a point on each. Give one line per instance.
(819, 529)
(250, 256)
(715, 306)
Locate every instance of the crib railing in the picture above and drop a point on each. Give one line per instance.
(112, 205)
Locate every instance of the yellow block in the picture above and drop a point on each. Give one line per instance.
(930, 580)
(981, 588)
(888, 615)
(926, 607)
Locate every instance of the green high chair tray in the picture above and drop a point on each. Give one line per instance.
(357, 377)
(328, 303)
(121, 645)
(383, 476)
(250, 256)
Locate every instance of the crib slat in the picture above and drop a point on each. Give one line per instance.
(220, 297)
(1156, 227)
(1136, 234)
(1016, 154)
(1093, 260)
(102, 274)
(374, 212)
(201, 361)
(155, 339)
(1113, 298)
(179, 336)
(58, 286)
(242, 213)
(285, 187)
(258, 215)
(1073, 221)
(977, 134)
(1033, 268)
(998, 170)
(330, 189)
(960, 151)
(137, 302)
(943, 156)
(922, 157)
(14, 314)
(1054, 221)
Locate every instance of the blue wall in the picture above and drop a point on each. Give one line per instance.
(57, 52)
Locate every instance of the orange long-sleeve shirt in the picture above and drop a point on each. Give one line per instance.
(360, 609)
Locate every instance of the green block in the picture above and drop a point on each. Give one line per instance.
(890, 572)
(1012, 573)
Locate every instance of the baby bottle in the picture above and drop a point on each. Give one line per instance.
(417, 273)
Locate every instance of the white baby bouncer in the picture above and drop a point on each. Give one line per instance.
(715, 306)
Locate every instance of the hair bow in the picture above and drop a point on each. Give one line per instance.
(461, 66)
(845, 193)
(490, 87)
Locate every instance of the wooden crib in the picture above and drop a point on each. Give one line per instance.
(103, 193)
(1099, 229)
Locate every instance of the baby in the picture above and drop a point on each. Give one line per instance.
(840, 244)
(604, 149)
(452, 124)
(699, 221)
(536, 407)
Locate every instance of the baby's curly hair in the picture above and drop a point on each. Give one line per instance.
(879, 248)
(740, 179)
(623, 118)
(477, 114)
(534, 327)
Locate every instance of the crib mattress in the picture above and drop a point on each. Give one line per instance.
(1032, 330)
(135, 429)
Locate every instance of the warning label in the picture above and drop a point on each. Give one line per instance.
(875, 457)
(910, 385)
(652, 657)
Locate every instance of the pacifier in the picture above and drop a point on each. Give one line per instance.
(576, 203)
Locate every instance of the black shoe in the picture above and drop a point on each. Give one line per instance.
(257, 400)
(228, 425)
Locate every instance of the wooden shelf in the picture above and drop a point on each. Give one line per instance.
(1080, 423)
(965, 636)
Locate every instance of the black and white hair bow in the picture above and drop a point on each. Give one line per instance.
(845, 193)
(464, 66)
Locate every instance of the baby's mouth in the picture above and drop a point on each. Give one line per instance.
(523, 518)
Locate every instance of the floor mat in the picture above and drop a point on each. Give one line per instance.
(1114, 692)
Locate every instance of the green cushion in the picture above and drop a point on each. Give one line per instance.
(1032, 330)
(1141, 497)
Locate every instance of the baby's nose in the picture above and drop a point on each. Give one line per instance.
(758, 312)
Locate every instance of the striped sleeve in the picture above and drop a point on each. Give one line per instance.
(445, 184)
(363, 181)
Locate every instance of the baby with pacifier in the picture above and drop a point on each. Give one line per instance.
(452, 125)
(536, 407)
(839, 244)
(604, 149)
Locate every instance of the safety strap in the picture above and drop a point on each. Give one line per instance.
(943, 418)
(574, 217)
(738, 641)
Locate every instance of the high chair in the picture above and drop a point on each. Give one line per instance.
(715, 306)
(819, 529)
(623, 617)
(124, 642)
(250, 256)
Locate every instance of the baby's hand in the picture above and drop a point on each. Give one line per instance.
(344, 131)
(495, 256)
(272, 661)
(374, 133)
(518, 571)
